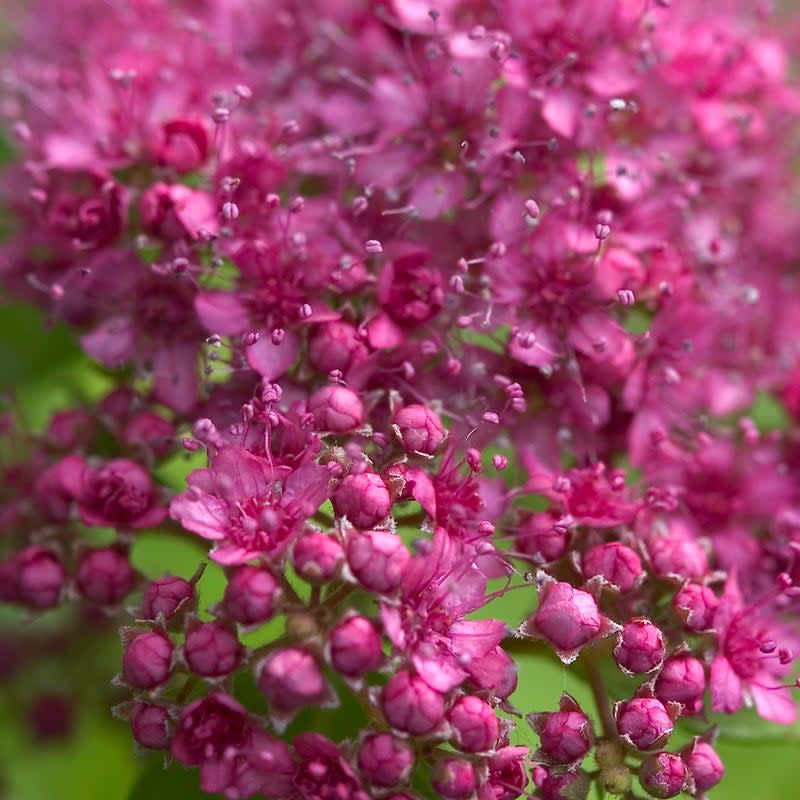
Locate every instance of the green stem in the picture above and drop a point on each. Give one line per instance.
(601, 699)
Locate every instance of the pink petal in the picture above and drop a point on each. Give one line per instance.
(439, 670)
(272, 360)
(175, 373)
(726, 686)
(222, 313)
(476, 637)
(204, 515)
(775, 705)
(111, 342)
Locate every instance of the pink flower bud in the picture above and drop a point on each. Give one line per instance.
(410, 705)
(704, 765)
(364, 499)
(644, 722)
(696, 604)
(317, 557)
(104, 576)
(290, 679)
(641, 647)
(334, 346)
(663, 774)
(557, 785)
(147, 660)
(355, 646)
(419, 429)
(377, 560)
(617, 564)
(149, 725)
(682, 679)
(568, 618)
(474, 724)
(163, 596)
(251, 595)
(211, 650)
(336, 408)
(454, 778)
(373, 247)
(39, 577)
(678, 556)
(565, 736)
(384, 760)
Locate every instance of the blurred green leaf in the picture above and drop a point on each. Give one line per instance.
(172, 783)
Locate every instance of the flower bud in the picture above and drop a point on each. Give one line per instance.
(568, 618)
(641, 647)
(419, 429)
(334, 346)
(291, 679)
(355, 647)
(552, 785)
(378, 560)
(39, 577)
(565, 736)
(384, 760)
(211, 650)
(362, 498)
(147, 660)
(474, 724)
(703, 764)
(149, 723)
(163, 596)
(317, 557)
(251, 595)
(454, 778)
(683, 680)
(104, 576)
(644, 722)
(663, 774)
(678, 555)
(336, 409)
(410, 705)
(617, 564)
(696, 605)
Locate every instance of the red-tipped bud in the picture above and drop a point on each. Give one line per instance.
(566, 735)
(474, 724)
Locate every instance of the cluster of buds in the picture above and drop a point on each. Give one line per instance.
(455, 303)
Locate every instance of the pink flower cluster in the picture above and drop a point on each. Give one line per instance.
(457, 298)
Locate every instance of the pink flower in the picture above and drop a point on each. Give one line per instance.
(119, 494)
(248, 508)
(748, 664)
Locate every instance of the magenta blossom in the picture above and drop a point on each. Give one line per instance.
(438, 590)
(748, 665)
(247, 507)
(118, 494)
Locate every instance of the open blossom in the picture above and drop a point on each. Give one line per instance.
(248, 508)
(748, 663)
